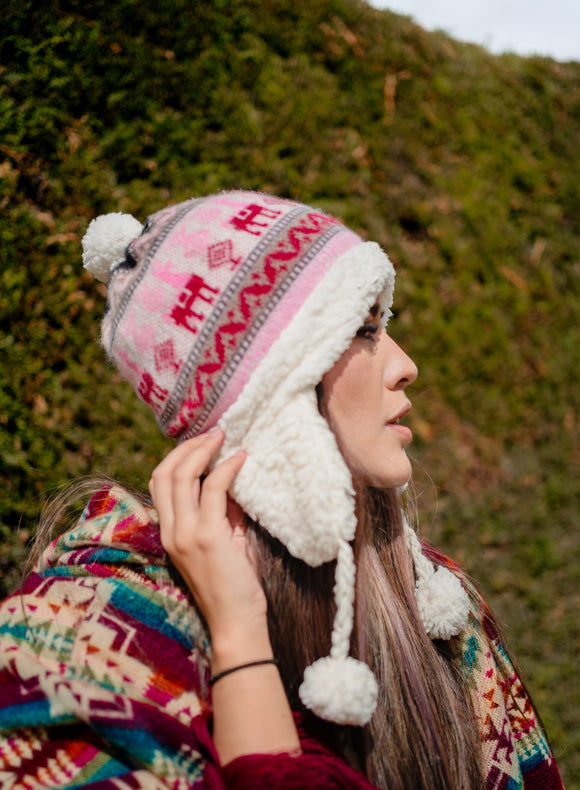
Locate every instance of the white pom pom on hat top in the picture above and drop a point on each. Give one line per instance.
(105, 242)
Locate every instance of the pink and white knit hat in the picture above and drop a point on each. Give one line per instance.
(228, 310)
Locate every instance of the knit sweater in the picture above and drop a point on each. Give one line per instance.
(104, 669)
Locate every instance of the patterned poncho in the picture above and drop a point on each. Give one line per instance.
(104, 668)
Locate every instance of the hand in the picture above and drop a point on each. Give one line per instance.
(203, 531)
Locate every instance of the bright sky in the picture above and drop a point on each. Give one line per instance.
(526, 27)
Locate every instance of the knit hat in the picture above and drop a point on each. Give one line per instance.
(228, 310)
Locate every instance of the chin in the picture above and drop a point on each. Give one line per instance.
(383, 479)
(378, 474)
(393, 478)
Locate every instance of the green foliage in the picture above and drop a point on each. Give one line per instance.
(464, 165)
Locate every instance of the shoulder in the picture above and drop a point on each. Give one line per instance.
(102, 614)
(103, 638)
(108, 575)
(482, 641)
(113, 517)
(481, 614)
(113, 559)
(515, 747)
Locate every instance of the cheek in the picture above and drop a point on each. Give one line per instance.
(348, 396)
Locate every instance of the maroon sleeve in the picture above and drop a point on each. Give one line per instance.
(316, 768)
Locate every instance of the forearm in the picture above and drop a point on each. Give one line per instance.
(250, 707)
(203, 531)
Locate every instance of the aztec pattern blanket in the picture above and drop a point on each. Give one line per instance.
(104, 669)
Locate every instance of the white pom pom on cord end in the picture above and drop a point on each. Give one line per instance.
(105, 242)
(443, 604)
(342, 690)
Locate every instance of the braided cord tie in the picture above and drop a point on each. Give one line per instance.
(423, 566)
(344, 582)
(338, 687)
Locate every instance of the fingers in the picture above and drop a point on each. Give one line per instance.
(201, 530)
(183, 466)
(186, 473)
(213, 500)
(183, 504)
(200, 447)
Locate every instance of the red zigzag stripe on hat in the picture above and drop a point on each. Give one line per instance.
(249, 300)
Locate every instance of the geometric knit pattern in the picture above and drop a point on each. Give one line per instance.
(216, 280)
(516, 753)
(104, 668)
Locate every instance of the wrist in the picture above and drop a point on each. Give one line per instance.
(240, 667)
(238, 645)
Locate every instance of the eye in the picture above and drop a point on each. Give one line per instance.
(369, 331)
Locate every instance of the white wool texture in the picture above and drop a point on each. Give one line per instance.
(441, 598)
(344, 584)
(105, 242)
(341, 690)
(295, 481)
(443, 604)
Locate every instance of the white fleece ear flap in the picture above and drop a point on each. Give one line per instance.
(311, 510)
(294, 481)
(309, 505)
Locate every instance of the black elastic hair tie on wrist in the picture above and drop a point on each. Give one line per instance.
(215, 678)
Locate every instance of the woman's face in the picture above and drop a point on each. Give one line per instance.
(364, 399)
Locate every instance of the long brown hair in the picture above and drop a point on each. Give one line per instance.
(423, 733)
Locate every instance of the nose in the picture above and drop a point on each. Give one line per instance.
(400, 370)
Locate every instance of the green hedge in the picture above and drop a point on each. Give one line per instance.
(464, 165)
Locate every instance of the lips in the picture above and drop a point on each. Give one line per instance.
(400, 414)
(404, 433)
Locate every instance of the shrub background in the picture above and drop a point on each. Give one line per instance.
(465, 166)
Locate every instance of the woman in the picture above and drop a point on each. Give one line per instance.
(223, 639)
